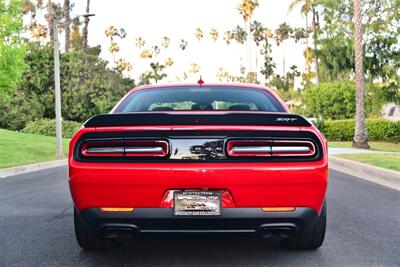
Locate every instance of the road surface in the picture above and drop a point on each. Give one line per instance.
(36, 229)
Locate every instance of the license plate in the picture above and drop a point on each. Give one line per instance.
(197, 203)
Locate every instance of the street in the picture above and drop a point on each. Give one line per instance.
(36, 228)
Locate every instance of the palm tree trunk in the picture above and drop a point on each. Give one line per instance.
(360, 135)
(67, 21)
(308, 65)
(85, 27)
(315, 37)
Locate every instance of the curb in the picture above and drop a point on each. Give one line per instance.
(31, 167)
(367, 172)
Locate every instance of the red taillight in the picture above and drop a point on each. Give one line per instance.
(267, 148)
(134, 148)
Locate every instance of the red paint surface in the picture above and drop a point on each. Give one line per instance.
(143, 185)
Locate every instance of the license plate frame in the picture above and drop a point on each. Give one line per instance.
(197, 203)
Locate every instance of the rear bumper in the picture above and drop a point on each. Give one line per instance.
(150, 221)
(250, 185)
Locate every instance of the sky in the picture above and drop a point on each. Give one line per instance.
(178, 19)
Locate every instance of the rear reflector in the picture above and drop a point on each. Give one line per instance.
(117, 209)
(278, 209)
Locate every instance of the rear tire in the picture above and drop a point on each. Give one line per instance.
(88, 240)
(312, 238)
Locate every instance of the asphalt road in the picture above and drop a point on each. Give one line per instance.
(36, 229)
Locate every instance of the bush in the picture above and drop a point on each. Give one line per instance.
(378, 130)
(336, 100)
(48, 127)
(21, 109)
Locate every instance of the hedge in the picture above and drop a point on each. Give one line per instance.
(48, 127)
(378, 130)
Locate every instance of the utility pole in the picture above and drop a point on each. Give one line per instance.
(59, 149)
(86, 26)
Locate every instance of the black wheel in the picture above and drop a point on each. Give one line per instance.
(88, 240)
(312, 238)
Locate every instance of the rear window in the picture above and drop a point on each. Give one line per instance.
(200, 98)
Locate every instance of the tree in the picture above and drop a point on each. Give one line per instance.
(257, 30)
(49, 18)
(239, 34)
(381, 24)
(246, 9)
(12, 51)
(76, 36)
(310, 6)
(360, 135)
(282, 33)
(67, 24)
(86, 27)
(54, 13)
(89, 88)
(331, 100)
(113, 33)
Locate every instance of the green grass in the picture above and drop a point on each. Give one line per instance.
(383, 160)
(22, 148)
(378, 146)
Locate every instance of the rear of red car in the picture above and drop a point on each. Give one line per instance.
(215, 159)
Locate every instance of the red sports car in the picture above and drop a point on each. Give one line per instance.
(199, 159)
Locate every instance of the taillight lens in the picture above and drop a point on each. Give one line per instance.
(268, 148)
(146, 148)
(103, 149)
(292, 148)
(249, 148)
(130, 148)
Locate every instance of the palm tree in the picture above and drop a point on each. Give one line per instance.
(199, 34)
(67, 22)
(269, 65)
(228, 37)
(246, 9)
(307, 7)
(257, 30)
(239, 34)
(282, 33)
(214, 34)
(360, 135)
